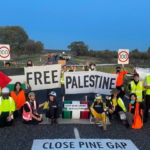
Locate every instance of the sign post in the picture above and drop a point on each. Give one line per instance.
(123, 56)
(4, 52)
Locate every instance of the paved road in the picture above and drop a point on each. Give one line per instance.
(20, 136)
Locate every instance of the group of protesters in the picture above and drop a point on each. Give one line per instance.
(22, 101)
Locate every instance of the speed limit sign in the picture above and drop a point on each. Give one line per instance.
(4, 52)
(123, 56)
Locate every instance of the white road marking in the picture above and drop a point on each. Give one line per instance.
(76, 132)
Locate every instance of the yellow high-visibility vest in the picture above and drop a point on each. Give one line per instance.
(148, 84)
(137, 89)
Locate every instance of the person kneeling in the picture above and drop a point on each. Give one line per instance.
(7, 107)
(30, 115)
(134, 116)
(52, 109)
(116, 105)
(97, 110)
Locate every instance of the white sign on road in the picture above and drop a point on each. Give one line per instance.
(4, 52)
(123, 56)
(83, 144)
(43, 77)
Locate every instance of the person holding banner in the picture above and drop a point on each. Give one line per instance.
(7, 65)
(52, 109)
(98, 110)
(29, 63)
(30, 115)
(19, 95)
(135, 117)
(62, 81)
(116, 104)
(7, 107)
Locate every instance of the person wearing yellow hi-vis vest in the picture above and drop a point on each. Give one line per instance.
(137, 87)
(7, 107)
(116, 104)
(147, 86)
(62, 81)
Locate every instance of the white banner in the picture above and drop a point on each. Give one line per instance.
(83, 144)
(43, 77)
(89, 82)
(72, 107)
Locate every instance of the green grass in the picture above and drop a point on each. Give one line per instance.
(35, 60)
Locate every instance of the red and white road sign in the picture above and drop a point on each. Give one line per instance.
(4, 52)
(123, 56)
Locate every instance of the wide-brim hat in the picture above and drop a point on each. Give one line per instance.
(92, 64)
(115, 91)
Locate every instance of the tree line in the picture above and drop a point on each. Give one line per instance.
(19, 42)
(79, 48)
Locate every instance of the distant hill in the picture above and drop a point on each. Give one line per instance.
(56, 51)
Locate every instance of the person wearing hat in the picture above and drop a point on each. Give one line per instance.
(137, 87)
(30, 115)
(134, 117)
(98, 110)
(52, 109)
(7, 107)
(116, 104)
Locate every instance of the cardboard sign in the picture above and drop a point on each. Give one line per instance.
(123, 56)
(83, 144)
(62, 62)
(4, 52)
(43, 77)
(89, 82)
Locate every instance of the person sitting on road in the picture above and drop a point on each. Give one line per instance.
(98, 110)
(19, 95)
(7, 107)
(30, 115)
(116, 104)
(52, 109)
(29, 63)
(135, 117)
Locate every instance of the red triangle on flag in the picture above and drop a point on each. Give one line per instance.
(4, 80)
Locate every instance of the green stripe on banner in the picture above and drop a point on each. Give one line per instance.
(11, 86)
(67, 114)
(76, 113)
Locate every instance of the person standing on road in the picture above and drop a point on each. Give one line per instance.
(19, 96)
(119, 82)
(137, 87)
(7, 107)
(147, 86)
(52, 109)
(62, 81)
(30, 115)
(134, 116)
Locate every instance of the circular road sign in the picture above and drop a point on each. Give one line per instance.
(123, 56)
(4, 52)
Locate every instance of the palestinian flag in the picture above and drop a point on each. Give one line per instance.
(11, 76)
(75, 110)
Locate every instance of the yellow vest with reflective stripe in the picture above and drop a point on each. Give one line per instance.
(137, 89)
(148, 84)
(62, 78)
(3, 107)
